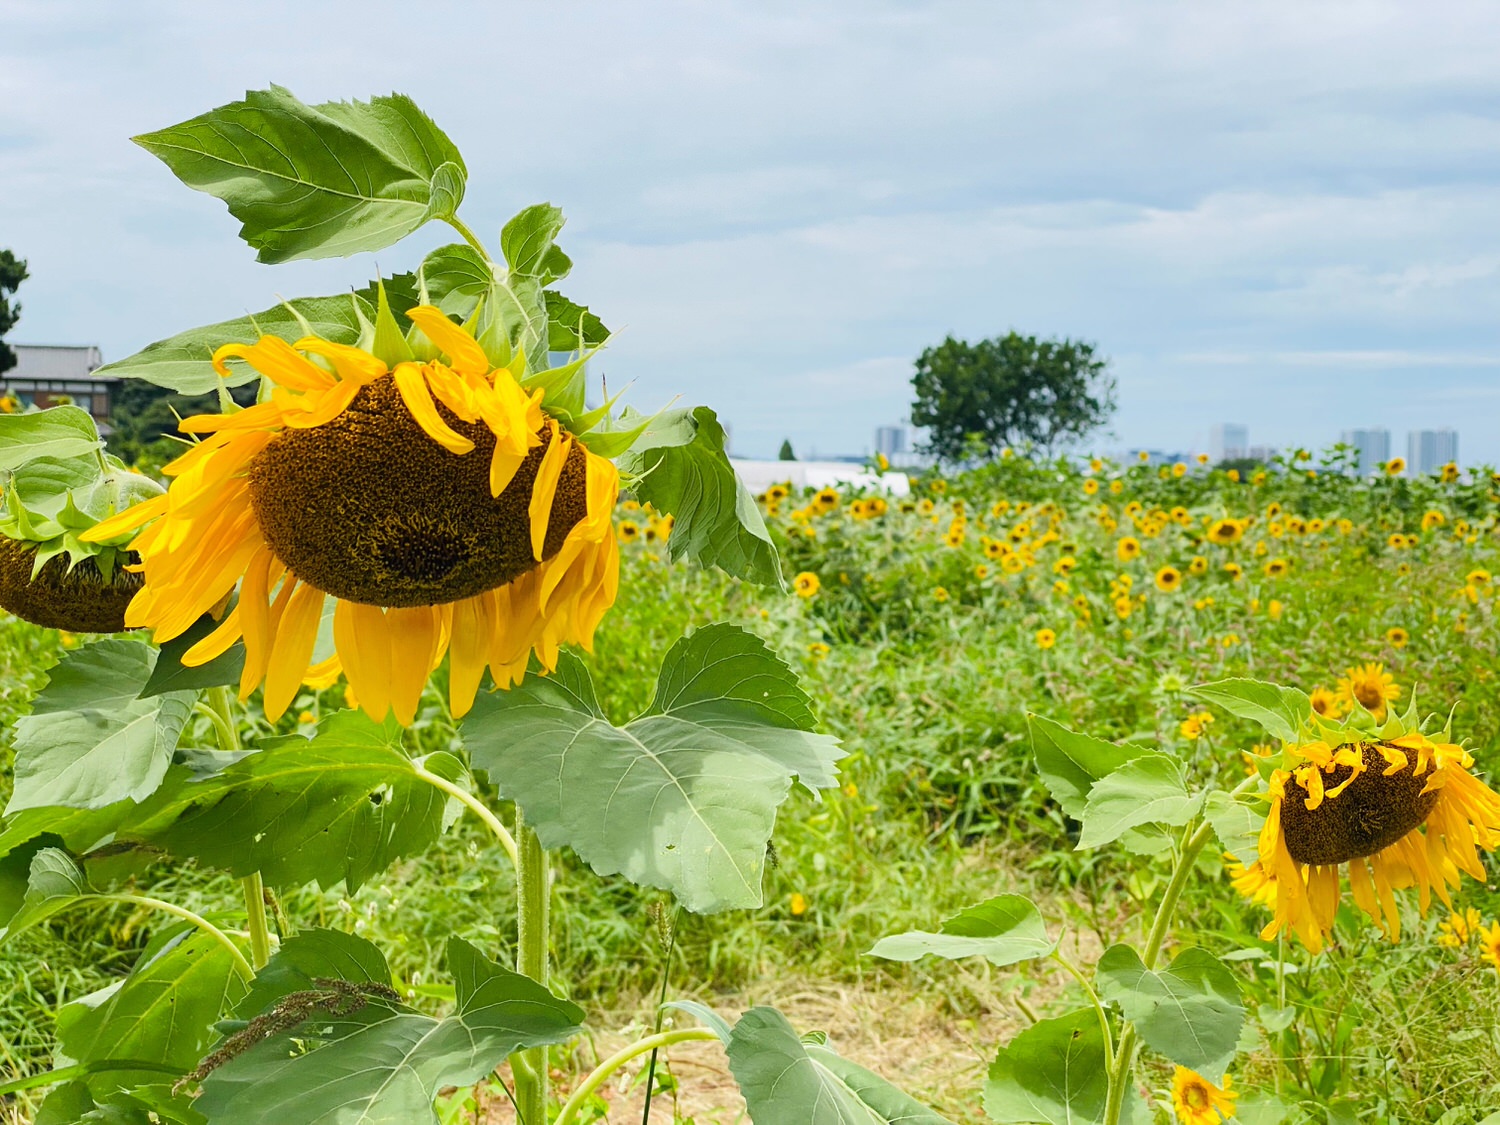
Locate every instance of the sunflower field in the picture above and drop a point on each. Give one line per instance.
(433, 740)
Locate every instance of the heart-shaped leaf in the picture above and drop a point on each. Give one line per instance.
(1190, 1011)
(683, 797)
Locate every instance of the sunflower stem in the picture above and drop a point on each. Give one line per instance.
(241, 966)
(532, 905)
(1194, 838)
(470, 237)
(474, 805)
(221, 706)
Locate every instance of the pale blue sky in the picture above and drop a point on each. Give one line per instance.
(1283, 214)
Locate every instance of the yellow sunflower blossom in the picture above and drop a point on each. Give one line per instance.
(1197, 1101)
(806, 584)
(1398, 810)
(437, 503)
(1369, 686)
(1459, 929)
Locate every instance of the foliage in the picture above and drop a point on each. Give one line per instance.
(975, 399)
(786, 454)
(12, 273)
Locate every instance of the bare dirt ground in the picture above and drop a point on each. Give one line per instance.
(934, 1041)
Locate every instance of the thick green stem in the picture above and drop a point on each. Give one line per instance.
(221, 704)
(255, 915)
(1120, 1074)
(601, 1073)
(532, 904)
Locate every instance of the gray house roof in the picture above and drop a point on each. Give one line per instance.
(47, 361)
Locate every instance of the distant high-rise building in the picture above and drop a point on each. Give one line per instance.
(1228, 441)
(890, 440)
(1373, 448)
(1266, 453)
(1429, 450)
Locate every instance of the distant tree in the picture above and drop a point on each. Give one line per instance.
(12, 273)
(974, 399)
(786, 453)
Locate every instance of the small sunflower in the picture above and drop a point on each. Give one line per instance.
(628, 531)
(1458, 929)
(1397, 807)
(1327, 704)
(1397, 637)
(439, 505)
(1090, 487)
(1128, 548)
(1197, 1101)
(1275, 568)
(1168, 579)
(1395, 466)
(1369, 686)
(1449, 472)
(939, 593)
(806, 584)
(1225, 531)
(1433, 519)
(1489, 945)
(1234, 570)
(1045, 638)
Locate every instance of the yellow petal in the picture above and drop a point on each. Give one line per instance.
(412, 384)
(274, 358)
(544, 490)
(350, 363)
(127, 520)
(464, 353)
(364, 646)
(468, 652)
(326, 407)
(255, 619)
(216, 643)
(296, 634)
(414, 633)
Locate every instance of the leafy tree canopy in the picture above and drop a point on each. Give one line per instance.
(12, 273)
(974, 399)
(786, 453)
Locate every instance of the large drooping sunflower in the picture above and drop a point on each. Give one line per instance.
(1395, 807)
(436, 501)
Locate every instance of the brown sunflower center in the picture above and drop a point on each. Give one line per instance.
(1372, 813)
(77, 600)
(370, 509)
(1369, 694)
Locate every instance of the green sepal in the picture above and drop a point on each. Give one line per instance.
(388, 343)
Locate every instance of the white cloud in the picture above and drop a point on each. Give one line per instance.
(1246, 206)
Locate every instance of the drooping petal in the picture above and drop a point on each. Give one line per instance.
(464, 353)
(217, 643)
(292, 652)
(544, 490)
(412, 384)
(278, 361)
(352, 364)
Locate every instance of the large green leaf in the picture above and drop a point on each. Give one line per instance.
(1145, 790)
(342, 806)
(60, 432)
(683, 797)
(788, 1080)
(1004, 930)
(1237, 824)
(164, 1011)
(1281, 711)
(683, 469)
(89, 741)
(1190, 1011)
(317, 181)
(1070, 762)
(1052, 1072)
(184, 362)
(54, 882)
(385, 1064)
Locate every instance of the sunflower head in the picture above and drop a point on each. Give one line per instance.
(1197, 1101)
(50, 574)
(1369, 687)
(425, 489)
